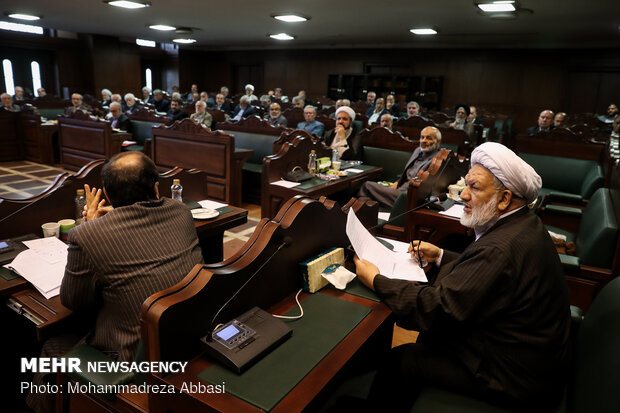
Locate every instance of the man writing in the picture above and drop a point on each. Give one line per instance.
(430, 138)
(119, 258)
(495, 321)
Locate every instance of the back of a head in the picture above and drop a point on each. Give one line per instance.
(129, 177)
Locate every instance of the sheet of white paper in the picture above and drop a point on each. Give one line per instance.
(392, 264)
(384, 215)
(43, 275)
(51, 293)
(399, 246)
(354, 170)
(455, 211)
(50, 249)
(286, 184)
(205, 203)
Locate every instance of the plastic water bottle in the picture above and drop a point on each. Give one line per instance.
(312, 162)
(80, 203)
(335, 157)
(177, 190)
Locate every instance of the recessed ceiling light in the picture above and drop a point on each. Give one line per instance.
(146, 43)
(497, 6)
(126, 4)
(21, 16)
(162, 27)
(281, 36)
(423, 32)
(290, 18)
(184, 41)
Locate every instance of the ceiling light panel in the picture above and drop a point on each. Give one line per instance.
(423, 31)
(127, 4)
(496, 7)
(21, 16)
(162, 27)
(184, 41)
(290, 18)
(281, 36)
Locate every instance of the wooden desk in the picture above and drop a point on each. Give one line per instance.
(438, 229)
(211, 232)
(296, 153)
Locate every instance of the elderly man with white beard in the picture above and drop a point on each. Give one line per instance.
(494, 320)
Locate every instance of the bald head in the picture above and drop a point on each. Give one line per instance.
(130, 177)
(430, 138)
(545, 119)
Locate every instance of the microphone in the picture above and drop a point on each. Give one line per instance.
(286, 241)
(432, 200)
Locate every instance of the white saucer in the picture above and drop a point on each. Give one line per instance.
(204, 213)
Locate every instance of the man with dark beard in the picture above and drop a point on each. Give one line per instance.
(494, 323)
(345, 137)
(420, 159)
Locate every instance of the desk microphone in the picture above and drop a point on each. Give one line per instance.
(432, 200)
(286, 241)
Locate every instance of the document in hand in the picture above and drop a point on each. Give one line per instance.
(397, 265)
(43, 264)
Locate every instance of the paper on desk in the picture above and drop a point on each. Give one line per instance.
(206, 203)
(354, 170)
(384, 216)
(396, 265)
(44, 276)
(286, 184)
(455, 211)
(50, 249)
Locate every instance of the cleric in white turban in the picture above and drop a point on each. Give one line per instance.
(345, 137)
(494, 320)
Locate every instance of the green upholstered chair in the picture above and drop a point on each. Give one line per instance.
(141, 131)
(595, 379)
(571, 179)
(598, 233)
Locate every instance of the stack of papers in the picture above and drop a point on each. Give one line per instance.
(207, 203)
(43, 264)
(396, 264)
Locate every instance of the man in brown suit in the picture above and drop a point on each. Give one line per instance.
(117, 258)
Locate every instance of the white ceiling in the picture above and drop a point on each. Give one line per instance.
(243, 24)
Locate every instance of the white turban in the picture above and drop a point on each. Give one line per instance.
(249, 86)
(511, 170)
(347, 109)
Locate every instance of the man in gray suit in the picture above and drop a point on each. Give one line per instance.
(117, 258)
(430, 138)
(494, 321)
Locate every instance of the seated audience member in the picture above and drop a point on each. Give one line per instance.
(374, 114)
(175, 95)
(460, 121)
(190, 95)
(131, 103)
(387, 121)
(249, 92)
(413, 109)
(265, 101)
(106, 98)
(195, 97)
(201, 116)
(175, 112)
(615, 131)
(494, 321)
(277, 93)
(76, 100)
(221, 104)
(161, 104)
(612, 113)
(146, 96)
(119, 120)
(204, 96)
(558, 120)
(224, 91)
(274, 117)
(545, 123)
(19, 94)
(176, 89)
(7, 103)
(345, 137)
(243, 109)
(473, 116)
(41, 93)
(340, 103)
(420, 160)
(392, 106)
(370, 98)
(310, 124)
(117, 259)
(298, 102)
(302, 94)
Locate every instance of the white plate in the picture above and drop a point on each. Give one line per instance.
(204, 213)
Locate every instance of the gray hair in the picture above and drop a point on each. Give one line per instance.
(176, 95)
(245, 98)
(147, 89)
(129, 96)
(413, 102)
(310, 107)
(115, 104)
(298, 99)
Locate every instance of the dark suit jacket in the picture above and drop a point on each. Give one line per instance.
(178, 115)
(117, 261)
(535, 129)
(501, 307)
(162, 106)
(123, 123)
(225, 107)
(419, 161)
(249, 111)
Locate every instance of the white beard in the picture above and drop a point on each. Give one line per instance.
(481, 216)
